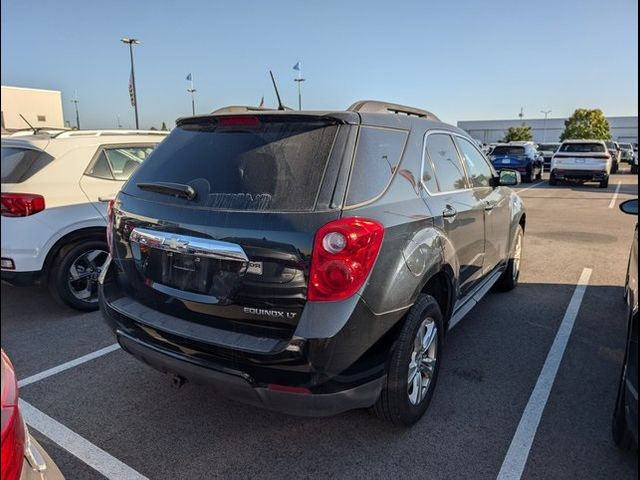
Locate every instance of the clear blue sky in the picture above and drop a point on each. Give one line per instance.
(461, 59)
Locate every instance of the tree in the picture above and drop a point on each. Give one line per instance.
(587, 123)
(518, 134)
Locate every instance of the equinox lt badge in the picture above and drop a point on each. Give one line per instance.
(269, 313)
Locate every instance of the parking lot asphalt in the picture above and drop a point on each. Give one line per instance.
(493, 360)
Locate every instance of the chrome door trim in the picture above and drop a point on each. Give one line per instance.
(186, 244)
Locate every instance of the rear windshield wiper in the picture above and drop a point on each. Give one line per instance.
(167, 188)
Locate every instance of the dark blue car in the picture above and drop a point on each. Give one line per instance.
(521, 156)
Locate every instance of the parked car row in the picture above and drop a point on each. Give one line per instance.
(523, 157)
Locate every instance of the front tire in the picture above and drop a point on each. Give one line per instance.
(74, 273)
(604, 183)
(414, 365)
(509, 278)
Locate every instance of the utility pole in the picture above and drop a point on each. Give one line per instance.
(521, 115)
(544, 127)
(132, 80)
(75, 101)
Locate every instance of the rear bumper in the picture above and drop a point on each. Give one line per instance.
(21, 279)
(571, 174)
(236, 386)
(311, 373)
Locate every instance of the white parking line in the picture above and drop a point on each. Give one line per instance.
(95, 457)
(520, 190)
(516, 458)
(67, 365)
(615, 196)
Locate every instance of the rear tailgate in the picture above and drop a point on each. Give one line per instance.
(237, 255)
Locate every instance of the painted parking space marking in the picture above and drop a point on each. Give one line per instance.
(520, 190)
(516, 458)
(615, 195)
(67, 365)
(95, 457)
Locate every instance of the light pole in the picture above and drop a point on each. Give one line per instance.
(132, 81)
(75, 101)
(544, 125)
(298, 67)
(192, 91)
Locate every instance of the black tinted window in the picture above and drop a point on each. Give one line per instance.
(507, 150)
(18, 164)
(585, 147)
(443, 154)
(377, 156)
(478, 169)
(243, 163)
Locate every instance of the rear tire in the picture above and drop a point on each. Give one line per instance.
(509, 278)
(552, 180)
(401, 402)
(634, 169)
(539, 175)
(604, 183)
(527, 177)
(78, 287)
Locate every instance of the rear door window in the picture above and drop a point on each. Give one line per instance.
(377, 157)
(18, 164)
(448, 169)
(264, 163)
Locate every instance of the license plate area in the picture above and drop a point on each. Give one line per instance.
(192, 273)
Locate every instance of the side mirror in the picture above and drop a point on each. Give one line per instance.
(630, 207)
(508, 178)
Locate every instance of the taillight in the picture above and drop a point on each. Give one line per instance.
(344, 252)
(13, 434)
(239, 121)
(110, 215)
(21, 204)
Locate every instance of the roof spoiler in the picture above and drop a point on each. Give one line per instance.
(374, 106)
(244, 109)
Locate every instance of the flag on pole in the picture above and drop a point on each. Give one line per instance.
(189, 77)
(297, 67)
(261, 102)
(132, 93)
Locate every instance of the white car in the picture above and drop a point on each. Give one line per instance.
(582, 161)
(54, 193)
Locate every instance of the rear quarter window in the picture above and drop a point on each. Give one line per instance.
(378, 154)
(20, 164)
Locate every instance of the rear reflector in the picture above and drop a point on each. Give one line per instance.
(21, 204)
(8, 264)
(285, 388)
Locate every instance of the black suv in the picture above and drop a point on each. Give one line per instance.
(309, 262)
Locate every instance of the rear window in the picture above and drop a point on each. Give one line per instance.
(243, 163)
(585, 147)
(507, 150)
(377, 157)
(18, 164)
(548, 147)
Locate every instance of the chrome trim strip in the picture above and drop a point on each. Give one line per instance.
(176, 243)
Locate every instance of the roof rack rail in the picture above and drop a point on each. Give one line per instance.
(244, 109)
(100, 133)
(375, 106)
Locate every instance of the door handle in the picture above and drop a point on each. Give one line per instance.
(488, 206)
(449, 212)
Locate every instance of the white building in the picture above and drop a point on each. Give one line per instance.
(41, 108)
(623, 129)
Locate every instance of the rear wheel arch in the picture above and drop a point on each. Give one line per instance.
(441, 286)
(89, 233)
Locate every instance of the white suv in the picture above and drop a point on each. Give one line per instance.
(54, 193)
